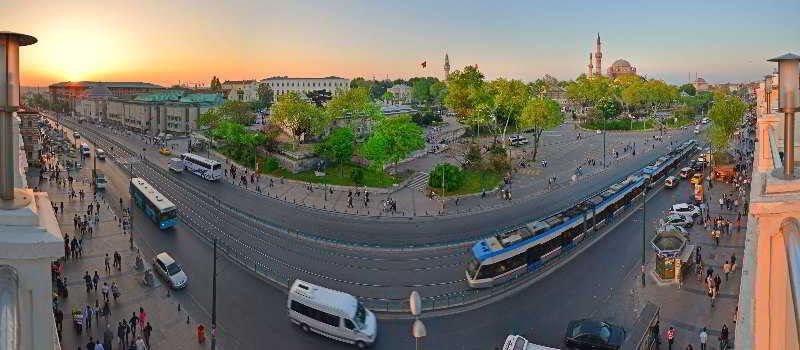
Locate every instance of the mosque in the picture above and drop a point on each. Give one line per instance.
(619, 68)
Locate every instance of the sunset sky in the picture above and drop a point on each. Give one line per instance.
(165, 42)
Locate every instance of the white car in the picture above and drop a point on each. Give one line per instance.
(517, 342)
(685, 209)
(170, 270)
(677, 220)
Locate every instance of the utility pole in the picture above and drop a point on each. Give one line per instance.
(604, 141)
(214, 299)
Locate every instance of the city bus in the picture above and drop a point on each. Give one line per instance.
(208, 169)
(157, 207)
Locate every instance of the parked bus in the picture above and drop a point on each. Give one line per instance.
(157, 207)
(85, 151)
(208, 169)
(331, 313)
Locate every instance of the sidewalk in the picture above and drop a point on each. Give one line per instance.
(688, 308)
(173, 328)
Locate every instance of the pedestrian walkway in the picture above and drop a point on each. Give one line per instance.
(694, 304)
(102, 241)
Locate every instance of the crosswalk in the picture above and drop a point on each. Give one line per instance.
(420, 181)
(530, 172)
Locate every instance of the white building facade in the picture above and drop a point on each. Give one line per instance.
(284, 85)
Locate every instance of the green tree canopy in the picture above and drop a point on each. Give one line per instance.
(438, 92)
(319, 97)
(447, 176)
(607, 108)
(726, 113)
(421, 89)
(234, 111)
(392, 140)
(540, 114)
(469, 97)
(387, 96)
(355, 102)
(215, 84)
(589, 90)
(510, 97)
(298, 116)
(338, 147)
(689, 89)
(265, 97)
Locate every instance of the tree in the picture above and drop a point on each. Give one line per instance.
(235, 111)
(421, 89)
(510, 98)
(468, 96)
(447, 176)
(540, 114)
(297, 116)
(607, 108)
(438, 92)
(356, 104)
(589, 90)
(338, 147)
(387, 96)
(689, 89)
(215, 84)
(265, 96)
(393, 139)
(726, 113)
(319, 97)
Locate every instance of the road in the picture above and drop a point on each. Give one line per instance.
(241, 292)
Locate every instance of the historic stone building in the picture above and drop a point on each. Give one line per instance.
(620, 68)
(169, 112)
(283, 85)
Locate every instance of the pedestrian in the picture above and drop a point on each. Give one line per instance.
(726, 268)
(59, 317)
(115, 290)
(95, 281)
(142, 317)
(108, 337)
(105, 290)
(90, 345)
(733, 262)
(108, 263)
(132, 323)
(140, 345)
(703, 339)
(721, 203)
(201, 334)
(723, 337)
(121, 334)
(670, 337)
(87, 316)
(146, 332)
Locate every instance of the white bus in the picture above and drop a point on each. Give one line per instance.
(208, 169)
(85, 150)
(331, 313)
(100, 154)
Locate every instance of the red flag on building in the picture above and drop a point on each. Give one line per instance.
(424, 64)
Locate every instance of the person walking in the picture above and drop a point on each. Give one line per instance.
(95, 281)
(726, 268)
(108, 263)
(132, 323)
(201, 334)
(148, 329)
(670, 337)
(115, 290)
(723, 337)
(703, 339)
(108, 337)
(121, 335)
(105, 290)
(733, 262)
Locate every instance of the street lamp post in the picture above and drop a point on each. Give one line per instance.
(418, 329)
(788, 87)
(644, 231)
(767, 92)
(604, 140)
(214, 299)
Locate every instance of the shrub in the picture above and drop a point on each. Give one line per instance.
(357, 175)
(271, 164)
(453, 177)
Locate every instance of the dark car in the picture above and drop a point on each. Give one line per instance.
(696, 166)
(593, 334)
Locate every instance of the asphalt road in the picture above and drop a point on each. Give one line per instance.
(253, 312)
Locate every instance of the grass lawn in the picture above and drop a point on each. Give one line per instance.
(621, 125)
(474, 182)
(340, 175)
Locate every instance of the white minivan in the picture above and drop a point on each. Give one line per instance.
(331, 313)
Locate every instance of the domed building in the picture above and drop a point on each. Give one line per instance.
(619, 68)
(700, 84)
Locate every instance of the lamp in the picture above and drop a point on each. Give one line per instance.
(788, 86)
(767, 91)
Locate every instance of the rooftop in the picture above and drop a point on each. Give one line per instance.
(286, 77)
(108, 84)
(179, 96)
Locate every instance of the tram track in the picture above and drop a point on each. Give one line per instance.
(239, 233)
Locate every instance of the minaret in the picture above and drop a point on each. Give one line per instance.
(598, 58)
(446, 66)
(590, 66)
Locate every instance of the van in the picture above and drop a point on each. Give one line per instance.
(331, 313)
(517, 342)
(100, 153)
(175, 165)
(100, 180)
(671, 182)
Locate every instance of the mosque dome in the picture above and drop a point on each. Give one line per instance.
(621, 63)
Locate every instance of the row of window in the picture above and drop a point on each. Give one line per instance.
(313, 313)
(307, 84)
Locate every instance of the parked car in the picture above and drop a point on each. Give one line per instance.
(677, 220)
(170, 270)
(517, 140)
(593, 334)
(686, 172)
(685, 209)
(671, 182)
(695, 165)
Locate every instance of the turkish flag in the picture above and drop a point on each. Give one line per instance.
(424, 64)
